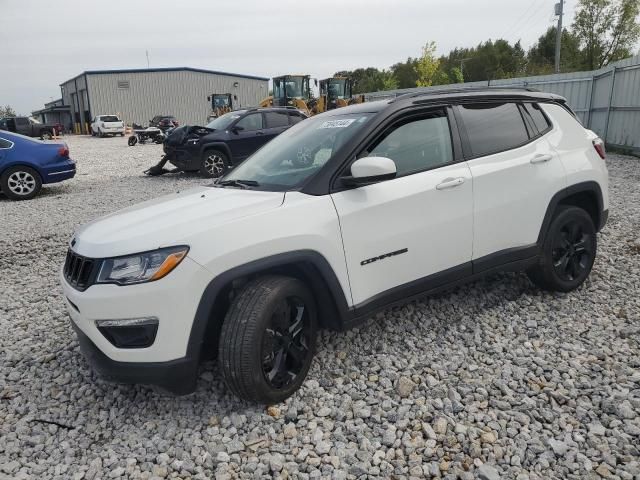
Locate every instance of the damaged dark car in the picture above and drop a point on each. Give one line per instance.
(225, 142)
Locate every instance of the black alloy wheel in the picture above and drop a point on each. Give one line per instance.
(568, 251)
(267, 340)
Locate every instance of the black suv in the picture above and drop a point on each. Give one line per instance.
(227, 140)
(164, 122)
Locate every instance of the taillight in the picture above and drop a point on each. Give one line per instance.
(63, 151)
(598, 144)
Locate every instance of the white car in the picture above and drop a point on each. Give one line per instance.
(344, 214)
(103, 125)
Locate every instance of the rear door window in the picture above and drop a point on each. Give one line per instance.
(276, 119)
(493, 127)
(295, 118)
(21, 121)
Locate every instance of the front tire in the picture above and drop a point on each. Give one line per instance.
(132, 140)
(46, 135)
(268, 339)
(20, 183)
(568, 251)
(214, 164)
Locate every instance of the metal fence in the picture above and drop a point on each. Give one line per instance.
(607, 100)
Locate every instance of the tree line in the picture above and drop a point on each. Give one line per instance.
(603, 31)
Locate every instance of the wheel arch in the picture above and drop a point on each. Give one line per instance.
(586, 195)
(32, 165)
(307, 265)
(217, 146)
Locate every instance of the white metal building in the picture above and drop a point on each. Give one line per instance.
(139, 95)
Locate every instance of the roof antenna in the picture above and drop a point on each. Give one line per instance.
(147, 51)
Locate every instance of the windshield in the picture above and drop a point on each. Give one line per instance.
(295, 155)
(337, 88)
(291, 87)
(223, 122)
(34, 121)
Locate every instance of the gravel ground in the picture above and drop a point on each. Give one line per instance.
(493, 380)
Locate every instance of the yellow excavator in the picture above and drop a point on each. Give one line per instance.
(221, 103)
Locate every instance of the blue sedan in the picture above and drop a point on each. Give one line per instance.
(26, 164)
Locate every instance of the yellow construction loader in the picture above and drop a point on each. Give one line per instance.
(291, 91)
(295, 91)
(221, 103)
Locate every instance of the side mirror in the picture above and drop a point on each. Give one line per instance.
(237, 129)
(368, 170)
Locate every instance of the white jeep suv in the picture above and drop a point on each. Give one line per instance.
(342, 215)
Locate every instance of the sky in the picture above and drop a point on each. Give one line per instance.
(48, 42)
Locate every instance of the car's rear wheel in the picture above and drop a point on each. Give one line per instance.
(214, 163)
(20, 183)
(268, 339)
(568, 251)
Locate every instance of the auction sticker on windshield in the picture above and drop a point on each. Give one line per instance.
(337, 123)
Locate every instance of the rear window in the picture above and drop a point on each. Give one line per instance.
(537, 117)
(109, 118)
(493, 127)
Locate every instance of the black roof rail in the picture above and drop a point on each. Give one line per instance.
(444, 91)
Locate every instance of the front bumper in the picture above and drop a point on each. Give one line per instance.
(173, 300)
(176, 376)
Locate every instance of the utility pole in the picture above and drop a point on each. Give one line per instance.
(559, 12)
(147, 52)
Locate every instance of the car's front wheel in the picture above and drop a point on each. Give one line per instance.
(268, 339)
(568, 251)
(20, 183)
(213, 164)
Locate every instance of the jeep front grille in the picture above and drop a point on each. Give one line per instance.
(79, 270)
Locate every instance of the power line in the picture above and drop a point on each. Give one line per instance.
(513, 27)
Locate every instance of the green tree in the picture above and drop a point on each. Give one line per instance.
(405, 73)
(428, 67)
(7, 111)
(607, 30)
(541, 56)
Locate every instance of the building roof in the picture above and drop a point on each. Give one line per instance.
(166, 69)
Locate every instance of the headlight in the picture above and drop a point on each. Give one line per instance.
(142, 267)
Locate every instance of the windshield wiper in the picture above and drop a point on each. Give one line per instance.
(238, 183)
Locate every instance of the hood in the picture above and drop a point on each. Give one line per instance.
(170, 220)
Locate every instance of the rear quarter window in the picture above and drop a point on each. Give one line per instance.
(493, 127)
(5, 143)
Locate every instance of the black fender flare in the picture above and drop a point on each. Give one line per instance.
(218, 146)
(327, 288)
(591, 187)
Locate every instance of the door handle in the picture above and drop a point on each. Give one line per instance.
(541, 158)
(259, 132)
(450, 183)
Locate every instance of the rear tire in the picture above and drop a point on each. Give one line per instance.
(268, 339)
(20, 183)
(132, 140)
(214, 164)
(568, 251)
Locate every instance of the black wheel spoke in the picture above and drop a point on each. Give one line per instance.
(284, 348)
